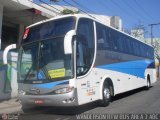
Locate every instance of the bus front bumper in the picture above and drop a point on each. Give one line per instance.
(67, 99)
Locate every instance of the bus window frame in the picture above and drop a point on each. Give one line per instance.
(95, 47)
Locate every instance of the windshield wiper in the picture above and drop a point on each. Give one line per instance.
(28, 73)
(43, 70)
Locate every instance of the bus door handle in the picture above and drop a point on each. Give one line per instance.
(118, 80)
(84, 84)
(97, 82)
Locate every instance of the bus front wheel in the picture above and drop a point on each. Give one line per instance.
(27, 109)
(148, 83)
(106, 95)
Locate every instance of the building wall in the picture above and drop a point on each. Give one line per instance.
(18, 13)
(116, 22)
(102, 18)
(113, 21)
(1, 19)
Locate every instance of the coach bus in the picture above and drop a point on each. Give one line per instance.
(75, 59)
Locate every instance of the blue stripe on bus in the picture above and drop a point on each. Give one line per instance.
(51, 84)
(136, 68)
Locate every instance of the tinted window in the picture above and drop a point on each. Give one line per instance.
(113, 38)
(102, 36)
(50, 29)
(108, 38)
(85, 46)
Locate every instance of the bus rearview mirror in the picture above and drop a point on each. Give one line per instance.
(68, 41)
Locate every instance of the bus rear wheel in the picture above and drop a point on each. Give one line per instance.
(148, 83)
(106, 94)
(27, 109)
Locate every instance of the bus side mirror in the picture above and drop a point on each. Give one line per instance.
(5, 53)
(68, 41)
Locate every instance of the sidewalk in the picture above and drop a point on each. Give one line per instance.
(10, 106)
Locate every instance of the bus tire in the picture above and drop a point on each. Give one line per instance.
(26, 109)
(148, 83)
(106, 95)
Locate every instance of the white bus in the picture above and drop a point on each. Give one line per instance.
(74, 59)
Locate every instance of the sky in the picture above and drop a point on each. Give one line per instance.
(132, 12)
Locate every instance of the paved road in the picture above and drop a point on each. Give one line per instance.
(137, 101)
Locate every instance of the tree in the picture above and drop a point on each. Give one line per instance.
(156, 45)
(138, 31)
(68, 11)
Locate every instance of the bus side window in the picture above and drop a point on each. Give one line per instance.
(120, 43)
(102, 36)
(85, 46)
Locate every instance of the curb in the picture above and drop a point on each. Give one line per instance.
(10, 106)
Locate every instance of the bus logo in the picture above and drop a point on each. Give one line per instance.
(36, 91)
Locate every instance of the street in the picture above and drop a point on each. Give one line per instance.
(137, 101)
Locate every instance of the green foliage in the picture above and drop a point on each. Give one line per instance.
(67, 11)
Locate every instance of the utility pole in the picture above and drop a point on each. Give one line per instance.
(154, 45)
(152, 31)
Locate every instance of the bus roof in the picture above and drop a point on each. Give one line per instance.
(84, 16)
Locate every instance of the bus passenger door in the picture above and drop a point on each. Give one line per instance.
(85, 52)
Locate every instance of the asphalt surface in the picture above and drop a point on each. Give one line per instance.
(133, 102)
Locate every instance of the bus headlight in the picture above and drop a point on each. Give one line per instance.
(21, 92)
(63, 90)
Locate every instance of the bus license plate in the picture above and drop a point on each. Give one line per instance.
(39, 101)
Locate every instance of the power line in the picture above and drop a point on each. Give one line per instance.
(129, 7)
(153, 24)
(104, 5)
(60, 5)
(99, 19)
(134, 10)
(79, 9)
(44, 7)
(122, 9)
(49, 5)
(82, 6)
(70, 5)
(143, 9)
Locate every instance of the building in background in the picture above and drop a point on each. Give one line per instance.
(58, 9)
(15, 15)
(113, 21)
(102, 18)
(116, 22)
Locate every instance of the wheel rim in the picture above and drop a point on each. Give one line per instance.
(106, 93)
(148, 84)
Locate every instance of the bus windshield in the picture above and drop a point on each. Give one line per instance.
(49, 29)
(44, 61)
(42, 58)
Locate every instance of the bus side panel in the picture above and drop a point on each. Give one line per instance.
(88, 87)
(152, 73)
(121, 82)
(127, 72)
